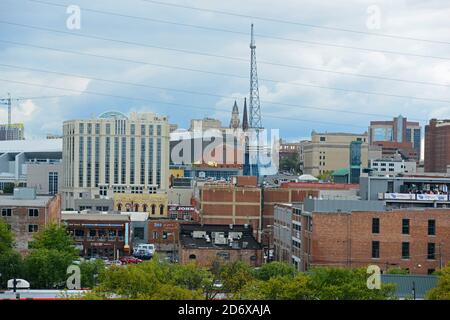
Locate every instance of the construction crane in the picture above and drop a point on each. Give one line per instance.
(7, 102)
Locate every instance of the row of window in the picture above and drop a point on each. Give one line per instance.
(32, 212)
(431, 250)
(405, 226)
(120, 128)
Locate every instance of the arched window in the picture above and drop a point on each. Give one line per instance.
(144, 208)
(192, 257)
(153, 209)
(119, 207)
(136, 207)
(161, 209)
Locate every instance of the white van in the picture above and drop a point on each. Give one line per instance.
(144, 251)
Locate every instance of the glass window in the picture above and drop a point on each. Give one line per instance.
(405, 250)
(405, 226)
(375, 249)
(375, 225)
(431, 227)
(431, 251)
(32, 212)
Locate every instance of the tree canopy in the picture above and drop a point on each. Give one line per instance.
(442, 290)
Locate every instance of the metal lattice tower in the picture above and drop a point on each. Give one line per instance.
(255, 110)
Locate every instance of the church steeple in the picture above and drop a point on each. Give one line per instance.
(235, 122)
(245, 117)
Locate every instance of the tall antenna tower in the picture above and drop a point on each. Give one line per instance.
(255, 110)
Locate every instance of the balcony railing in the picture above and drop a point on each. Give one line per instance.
(414, 197)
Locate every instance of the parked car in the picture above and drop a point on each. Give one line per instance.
(128, 259)
(144, 251)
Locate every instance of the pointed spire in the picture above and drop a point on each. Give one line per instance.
(235, 121)
(235, 107)
(245, 118)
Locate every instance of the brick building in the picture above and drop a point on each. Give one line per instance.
(231, 203)
(413, 239)
(437, 145)
(27, 213)
(209, 244)
(100, 234)
(164, 234)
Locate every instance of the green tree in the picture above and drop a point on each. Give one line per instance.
(55, 237)
(8, 188)
(150, 280)
(278, 288)
(345, 284)
(191, 276)
(442, 290)
(234, 276)
(90, 272)
(6, 237)
(51, 252)
(11, 264)
(397, 271)
(274, 269)
(325, 176)
(290, 163)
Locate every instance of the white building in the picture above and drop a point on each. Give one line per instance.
(115, 154)
(390, 166)
(32, 163)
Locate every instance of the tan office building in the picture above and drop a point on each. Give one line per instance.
(331, 151)
(115, 154)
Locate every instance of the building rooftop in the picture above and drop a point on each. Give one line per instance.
(405, 283)
(40, 145)
(10, 200)
(217, 237)
(94, 216)
(334, 205)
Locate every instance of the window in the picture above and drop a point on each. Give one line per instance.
(6, 212)
(161, 209)
(138, 233)
(431, 251)
(155, 235)
(375, 249)
(32, 228)
(405, 226)
(33, 212)
(322, 138)
(430, 271)
(405, 250)
(375, 225)
(192, 257)
(53, 182)
(431, 227)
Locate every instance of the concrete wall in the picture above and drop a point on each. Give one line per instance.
(38, 176)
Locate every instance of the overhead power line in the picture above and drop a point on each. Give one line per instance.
(321, 108)
(222, 56)
(302, 24)
(186, 106)
(308, 42)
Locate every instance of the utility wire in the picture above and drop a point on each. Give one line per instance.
(374, 34)
(315, 43)
(222, 56)
(296, 84)
(168, 103)
(194, 92)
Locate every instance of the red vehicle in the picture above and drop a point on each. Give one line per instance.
(129, 259)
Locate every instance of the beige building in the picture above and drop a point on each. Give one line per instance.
(115, 154)
(154, 204)
(331, 151)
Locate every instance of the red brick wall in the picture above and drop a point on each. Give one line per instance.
(342, 239)
(206, 257)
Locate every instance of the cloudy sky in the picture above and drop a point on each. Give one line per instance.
(188, 63)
